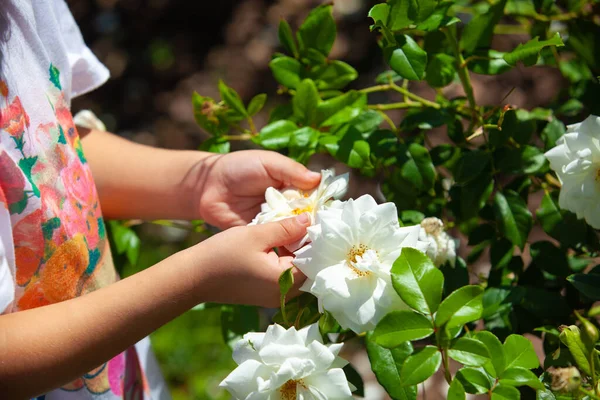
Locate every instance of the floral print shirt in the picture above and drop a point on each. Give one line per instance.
(53, 244)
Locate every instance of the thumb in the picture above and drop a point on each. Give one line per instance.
(286, 231)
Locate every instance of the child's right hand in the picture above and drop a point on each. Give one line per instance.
(239, 266)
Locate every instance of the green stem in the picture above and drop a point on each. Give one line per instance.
(463, 72)
(593, 368)
(251, 125)
(405, 92)
(388, 120)
(394, 106)
(447, 373)
(243, 136)
(283, 314)
(592, 395)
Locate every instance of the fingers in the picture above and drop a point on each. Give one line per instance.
(290, 172)
(281, 233)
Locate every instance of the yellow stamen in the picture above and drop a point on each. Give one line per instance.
(357, 251)
(288, 390)
(299, 211)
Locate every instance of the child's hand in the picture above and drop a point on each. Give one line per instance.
(239, 265)
(234, 186)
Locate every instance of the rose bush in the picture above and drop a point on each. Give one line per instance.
(516, 187)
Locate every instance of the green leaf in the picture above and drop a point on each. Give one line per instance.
(419, 169)
(461, 306)
(587, 284)
(495, 349)
(522, 160)
(216, 145)
(517, 124)
(552, 132)
(408, 59)
(340, 109)
(276, 135)
(502, 392)
(547, 257)
(232, 99)
(126, 241)
(520, 353)
(306, 101)
(387, 77)
(318, 31)
(286, 38)
(386, 365)
(514, 218)
(489, 62)
(469, 352)
(355, 379)
(518, 376)
(286, 281)
(287, 71)
(420, 10)
(470, 166)
(528, 52)
(473, 380)
(209, 115)
(441, 70)
(438, 18)
(256, 104)
(380, 12)
(479, 31)
(417, 281)
(398, 15)
(420, 366)
(548, 214)
(333, 75)
(456, 391)
(353, 150)
(571, 337)
(238, 320)
(398, 327)
(327, 323)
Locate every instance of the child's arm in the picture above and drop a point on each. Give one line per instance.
(137, 181)
(44, 348)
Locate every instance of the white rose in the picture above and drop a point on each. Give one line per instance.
(349, 260)
(442, 247)
(576, 161)
(291, 202)
(287, 365)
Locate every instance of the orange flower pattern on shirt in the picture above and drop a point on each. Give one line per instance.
(60, 245)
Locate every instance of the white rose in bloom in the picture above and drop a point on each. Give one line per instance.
(291, 202)
(442, 247)
(576, 161)
(349, 260)
(287, 365)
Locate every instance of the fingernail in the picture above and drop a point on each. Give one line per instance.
(303, 218)
(313, 174)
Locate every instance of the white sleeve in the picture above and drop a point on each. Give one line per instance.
(88, 72)
(7, 259)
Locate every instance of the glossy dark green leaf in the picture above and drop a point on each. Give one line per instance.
(419, 169)
(520, 353)
(386, 364)
(470, 352)
(587, 284)
(528, 52)
(398, 15)
(340, 109)
(513, 216)
(277, 134)
(470, 166)
(318, 31)
(552, 132)
(438, 19)
(548, 214)
(519, 125)
(496, 350)
(306, 101)
(380, 13)
(286, 38)
(408, 59)
(479, 31)
(504, 392)
(522, 160)
(420, 366)
(236, 321)
(547, 257)
(441, 70)
(417, 281)
(333, 75)
(256, 104)
(461, 306)
(353, 150)
(232, 98)
(456, 391)
(398, 327)
(519, 376)
(474, 381)
(287, 71)
(355, 379)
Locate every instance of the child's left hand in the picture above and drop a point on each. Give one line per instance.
(233, 188)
